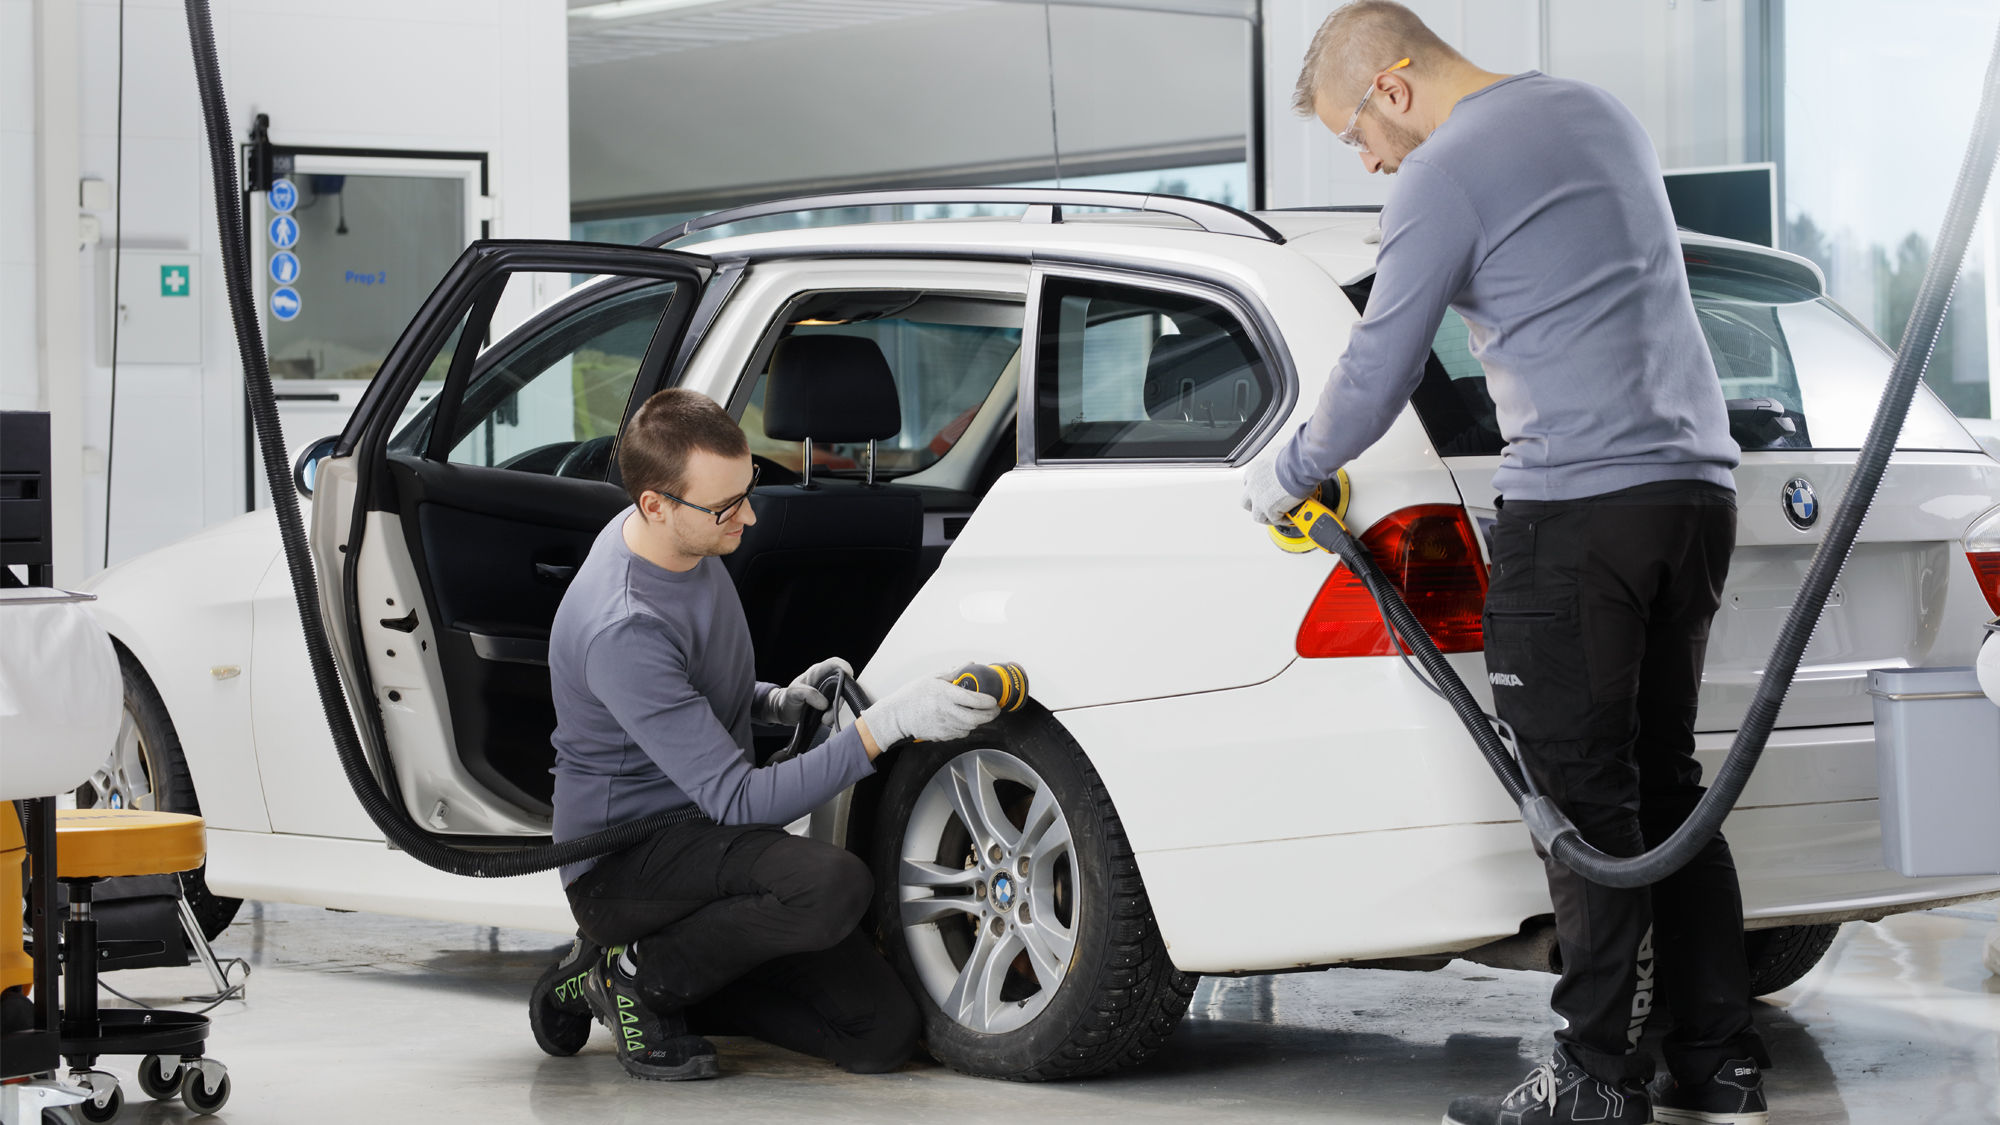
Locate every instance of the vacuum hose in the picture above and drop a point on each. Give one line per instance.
(1550, 828)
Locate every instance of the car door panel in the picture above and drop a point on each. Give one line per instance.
(441, 612)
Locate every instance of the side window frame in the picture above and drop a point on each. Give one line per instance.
(1259, 329)
(462, 382)
(744, 387)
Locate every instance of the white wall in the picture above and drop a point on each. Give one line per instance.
(465, 75)
(1680, 67)
(19, 369)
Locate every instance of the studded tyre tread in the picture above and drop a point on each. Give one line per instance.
(1780, 956)
(1122, 997)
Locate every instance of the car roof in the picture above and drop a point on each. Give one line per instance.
(1341, 241)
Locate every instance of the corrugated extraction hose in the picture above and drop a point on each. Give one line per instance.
(1549, 826)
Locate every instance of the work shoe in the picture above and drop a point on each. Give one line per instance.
(1558, 1091)
(1734, 1095)
(651, 1045)
(557, 1011)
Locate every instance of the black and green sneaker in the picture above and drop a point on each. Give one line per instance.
(651, 1045)
(557, 1012)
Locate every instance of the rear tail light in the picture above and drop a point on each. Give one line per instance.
(1431, 556)
(1982, 550)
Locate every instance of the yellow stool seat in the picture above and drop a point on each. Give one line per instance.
(102, 843)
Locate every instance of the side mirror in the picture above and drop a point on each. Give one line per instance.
(306, 467)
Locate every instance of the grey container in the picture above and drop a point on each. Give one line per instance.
(1937, 747)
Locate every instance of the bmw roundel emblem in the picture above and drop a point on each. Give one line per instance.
(1801, 506)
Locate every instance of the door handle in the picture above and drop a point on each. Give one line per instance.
(555, 573)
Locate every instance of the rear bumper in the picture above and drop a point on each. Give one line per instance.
(1338, 812)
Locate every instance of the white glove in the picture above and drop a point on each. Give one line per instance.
(933, 709)
(786, 706)
(1263, 497)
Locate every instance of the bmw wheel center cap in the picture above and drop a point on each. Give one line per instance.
(1800, 504)
(1003, 892)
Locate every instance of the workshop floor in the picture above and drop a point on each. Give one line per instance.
(354, 1017)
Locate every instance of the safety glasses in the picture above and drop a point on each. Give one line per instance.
(1348, 136)
(723, 512)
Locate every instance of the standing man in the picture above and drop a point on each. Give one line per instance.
(1534, 207)
(729, 924)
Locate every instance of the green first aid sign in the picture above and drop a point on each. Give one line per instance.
(174, 281)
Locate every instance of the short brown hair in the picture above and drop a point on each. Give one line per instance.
(1360, 40)
(654, 450)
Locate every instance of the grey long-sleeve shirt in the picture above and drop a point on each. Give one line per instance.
(653, 679)
(1537, 212)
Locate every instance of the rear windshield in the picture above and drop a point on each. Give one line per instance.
(1796, 371)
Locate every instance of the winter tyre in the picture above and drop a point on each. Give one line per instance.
(146, 770)
(1009, 901)
(1780, 956)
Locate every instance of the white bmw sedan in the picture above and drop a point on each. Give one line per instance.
(1225, 766)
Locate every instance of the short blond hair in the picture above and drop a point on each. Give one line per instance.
(1360, 40)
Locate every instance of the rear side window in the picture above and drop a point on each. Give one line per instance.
(1796, 372)
(946, 352)
(1124, 373)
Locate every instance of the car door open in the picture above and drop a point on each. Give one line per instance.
(444, 544)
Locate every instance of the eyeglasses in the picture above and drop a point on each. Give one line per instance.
(1348, 136)
(723, 512)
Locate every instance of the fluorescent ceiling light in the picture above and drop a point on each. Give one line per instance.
(620, 9)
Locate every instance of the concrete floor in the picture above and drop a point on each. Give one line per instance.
(356, 1017)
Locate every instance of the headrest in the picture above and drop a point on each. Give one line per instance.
(830, 388)
(1206, 376)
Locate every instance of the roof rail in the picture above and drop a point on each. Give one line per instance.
(1045, 206)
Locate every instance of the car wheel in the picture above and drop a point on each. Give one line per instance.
(146, 770)
(1009, 901)
(1781, 955)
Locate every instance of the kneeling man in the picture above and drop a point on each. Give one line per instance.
(728, 924)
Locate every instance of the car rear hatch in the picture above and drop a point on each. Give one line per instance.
(1803, 380)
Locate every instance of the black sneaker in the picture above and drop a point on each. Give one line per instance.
(1733, 1096)
(557, 1012)
(652, 1045)
(1558, 1091)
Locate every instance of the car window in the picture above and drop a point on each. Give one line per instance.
(1130, 373)
(1796, 372)
(559, 393)
(945, 351)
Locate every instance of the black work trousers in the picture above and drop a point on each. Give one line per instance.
(752, 931)
(1597, 620)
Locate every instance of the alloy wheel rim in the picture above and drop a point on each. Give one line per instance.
(988, 891)
(123, 781)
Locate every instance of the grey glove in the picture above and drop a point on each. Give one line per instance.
(786, 706)
(1263, 497)
(933, 709)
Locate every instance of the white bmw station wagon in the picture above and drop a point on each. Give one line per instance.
(1225, 766)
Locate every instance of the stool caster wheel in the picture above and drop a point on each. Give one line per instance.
(106, 1099)
(158, 1082)
(205, 1086)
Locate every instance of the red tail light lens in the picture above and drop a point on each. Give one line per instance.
(1429, 552)
(1986, 565)
(1982, 550)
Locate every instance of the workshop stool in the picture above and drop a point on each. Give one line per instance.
(94, 844)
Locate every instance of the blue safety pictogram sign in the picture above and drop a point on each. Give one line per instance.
(284, 267)
(284, 232)
(284, 196)
(285, 302)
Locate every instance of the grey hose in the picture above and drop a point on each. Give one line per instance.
(1551, 829)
